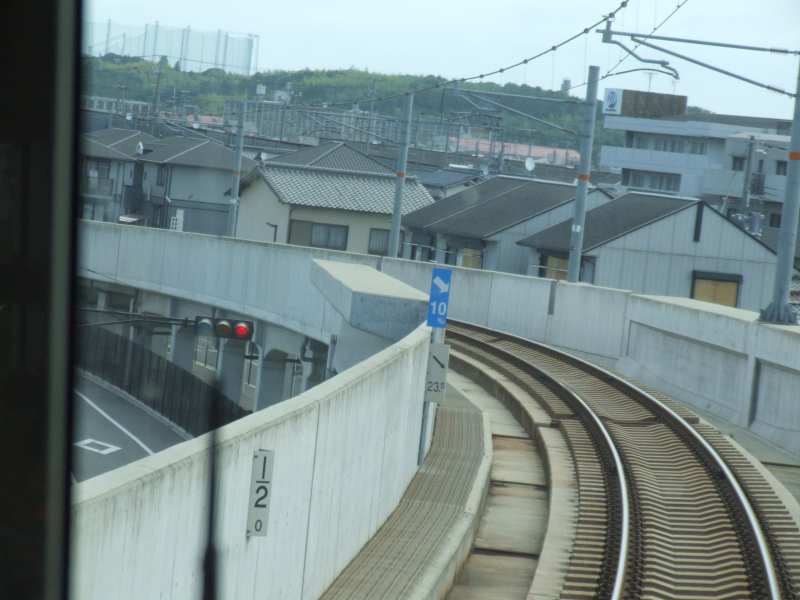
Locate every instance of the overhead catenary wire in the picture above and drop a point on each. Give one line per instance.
(497, 71)
(656, 27)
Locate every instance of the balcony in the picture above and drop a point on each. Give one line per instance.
(96, 187)
(724, 182)
(642, 159)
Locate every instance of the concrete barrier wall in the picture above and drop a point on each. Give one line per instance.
(717, 358)
(251, 278)
(344, 453)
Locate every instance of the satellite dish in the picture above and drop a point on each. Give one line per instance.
(530, 164)
(140, 148)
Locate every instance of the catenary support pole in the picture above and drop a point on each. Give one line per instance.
(780, 311)
(586, 136)
(400, 181)
(237, 172)
(748, 172)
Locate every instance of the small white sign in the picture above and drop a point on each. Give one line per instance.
(436, 379)
(260, 492)
(612, 102)
(576, 228)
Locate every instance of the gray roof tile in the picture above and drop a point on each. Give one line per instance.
(333, 155)
(331, 188)
(610, 221)
(490, 206)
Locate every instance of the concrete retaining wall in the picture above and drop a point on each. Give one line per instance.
(344, 453)
(250, 278)
(718, 359)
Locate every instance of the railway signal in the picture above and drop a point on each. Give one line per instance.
(235, 329)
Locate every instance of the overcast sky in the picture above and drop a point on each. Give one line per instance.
(454, 38)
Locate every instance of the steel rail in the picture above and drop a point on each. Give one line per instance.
(765, 555)
(622, 561)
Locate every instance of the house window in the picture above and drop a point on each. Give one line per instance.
(737, 163)
(472, 258)
(719, 288)
(780, 167)
(319, 235)
(697, 147)
(760, 165)
(554, 267)
(378, 241)
(161, 176)
(668, 182)
(775, 220)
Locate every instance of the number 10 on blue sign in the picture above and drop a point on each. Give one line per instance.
(439, 297)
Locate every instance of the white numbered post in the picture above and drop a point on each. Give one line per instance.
(260, 492)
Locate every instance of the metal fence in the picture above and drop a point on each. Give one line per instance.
(195, 50)
(171, 391)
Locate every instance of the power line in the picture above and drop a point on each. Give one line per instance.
(625, 57)
(656, 28)
(519, 63)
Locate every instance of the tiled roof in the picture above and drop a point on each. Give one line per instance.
(333, 155)
(458, 202)
(194, 152)
(610, 221)
(121, 144)
(433, 176)
(95, 149)
(331, 188)
(506, 210)
(491, 206)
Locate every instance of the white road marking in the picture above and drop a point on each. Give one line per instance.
(97, 446)
(120, 427)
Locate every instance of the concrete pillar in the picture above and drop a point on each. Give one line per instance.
(182, 347)
(441, 248)
(230, 367)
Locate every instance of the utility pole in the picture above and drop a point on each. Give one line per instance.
(586, 137)
(156, 95)
(780, 311)
(371, 127)
(237, 173)
(748, 172)
(400, 182)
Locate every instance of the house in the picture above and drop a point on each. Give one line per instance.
(479, 226)
(180, 182)
(662, 245)
(328, 196)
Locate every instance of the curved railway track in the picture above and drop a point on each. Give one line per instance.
(668, 508)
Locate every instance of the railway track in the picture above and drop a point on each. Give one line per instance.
(668, 507)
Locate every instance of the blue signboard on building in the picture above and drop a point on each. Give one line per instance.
(439, 297)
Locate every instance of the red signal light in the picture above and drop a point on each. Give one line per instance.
(223, 328)
(242, 331)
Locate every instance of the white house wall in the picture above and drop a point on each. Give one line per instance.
(258, 205)
(358, 224)
(204, 185)
(659, 259)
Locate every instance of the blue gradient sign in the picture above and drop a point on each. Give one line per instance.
(439, 297)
